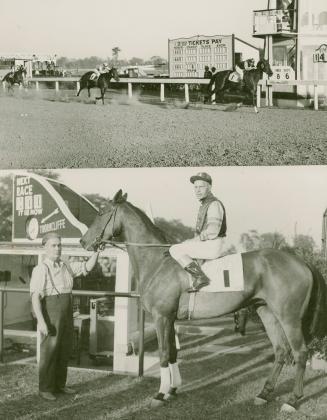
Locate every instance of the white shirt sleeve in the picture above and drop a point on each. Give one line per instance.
(214, 220)
(38, 278)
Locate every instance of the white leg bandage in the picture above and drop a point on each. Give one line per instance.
(176, 379)
(165, 380)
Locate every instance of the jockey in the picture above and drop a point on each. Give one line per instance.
(209, 233)
(100, 69)
(238, 74)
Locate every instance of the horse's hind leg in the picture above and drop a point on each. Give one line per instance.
(281, 350)
(293, 332)
(175, 376)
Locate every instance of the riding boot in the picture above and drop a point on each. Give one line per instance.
(200, 279)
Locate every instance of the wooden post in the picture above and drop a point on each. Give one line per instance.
(37, 87)
(270, 96)
(130, 90)
(57, 86)
(213, 96)
(2, 317)
(162, 92)
(187, 96)
(315, 96)
(267, 94)
(78, 86)
(258, 95)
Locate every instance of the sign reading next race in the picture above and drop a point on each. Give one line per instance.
(42, 205)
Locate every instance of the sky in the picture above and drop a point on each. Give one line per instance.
(140, 28)
(285, 199)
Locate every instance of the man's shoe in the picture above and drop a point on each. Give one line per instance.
(200, 279)
(47, 396)
(67, 390)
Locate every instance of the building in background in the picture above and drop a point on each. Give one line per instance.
(189, 56)
(295, 35)
(35, 64)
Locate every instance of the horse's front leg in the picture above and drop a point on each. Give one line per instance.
(175, 376)
(164, 326)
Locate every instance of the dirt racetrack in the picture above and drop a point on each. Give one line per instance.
(59, 131)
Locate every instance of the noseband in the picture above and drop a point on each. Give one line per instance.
(98, 241)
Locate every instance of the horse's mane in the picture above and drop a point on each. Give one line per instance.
(159, 234)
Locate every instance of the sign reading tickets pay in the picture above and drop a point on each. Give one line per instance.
(43, 205)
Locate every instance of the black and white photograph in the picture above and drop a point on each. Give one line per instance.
(163, 210)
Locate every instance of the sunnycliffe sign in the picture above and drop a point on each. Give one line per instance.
(42, 205)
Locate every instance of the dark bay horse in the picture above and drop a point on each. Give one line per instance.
(290, 296)
(16, 78)
(247, 86)
(102, 82)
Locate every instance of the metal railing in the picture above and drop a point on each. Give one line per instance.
(141, 317)
(129, 81)
(269, 85)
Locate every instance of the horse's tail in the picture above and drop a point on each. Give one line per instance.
(314, 322)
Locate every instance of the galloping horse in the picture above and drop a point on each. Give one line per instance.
(248, 85)
(290, 296)
(102, 82)
(16, 78)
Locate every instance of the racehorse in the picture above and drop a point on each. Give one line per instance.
(16, 78)
(102, 82)
(290, 295)
(248, 85)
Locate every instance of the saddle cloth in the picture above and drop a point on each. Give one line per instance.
(225, 274)
(235, 77)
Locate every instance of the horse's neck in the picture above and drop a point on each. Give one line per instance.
(143, 258)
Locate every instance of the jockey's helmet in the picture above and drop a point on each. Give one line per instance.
(201, 176)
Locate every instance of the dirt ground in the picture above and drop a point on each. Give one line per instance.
(222, 373)
(55, 131)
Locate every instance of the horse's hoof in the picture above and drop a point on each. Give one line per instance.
(158, 401)
(171, 395)
(260, 401)
(287, 408)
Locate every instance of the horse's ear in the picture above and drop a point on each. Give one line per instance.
(118, 196)
(124, 197)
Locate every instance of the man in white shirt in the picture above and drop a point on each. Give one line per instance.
(51, 286)
(210, 231)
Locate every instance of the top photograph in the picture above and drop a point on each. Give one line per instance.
(159, 84)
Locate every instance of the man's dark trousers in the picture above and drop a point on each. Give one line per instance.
(56, 348)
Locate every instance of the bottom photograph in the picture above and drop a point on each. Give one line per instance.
(163, 293)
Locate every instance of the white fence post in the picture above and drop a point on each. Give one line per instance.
(315, 97)
(187, 96)
(4, 86)
(57, 86)
(78, 86)
(37, 87)
(162, 92)
(259, 95)
(270, 96)
(130, 90)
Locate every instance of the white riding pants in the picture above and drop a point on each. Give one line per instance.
(185, 252)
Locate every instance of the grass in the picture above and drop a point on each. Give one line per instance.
(221, 374)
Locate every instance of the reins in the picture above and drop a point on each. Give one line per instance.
(98, 240)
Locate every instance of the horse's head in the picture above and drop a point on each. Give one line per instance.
(264, 66)
(106, 225)
(114, 74)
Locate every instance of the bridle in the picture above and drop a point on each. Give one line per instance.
(98, 241)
